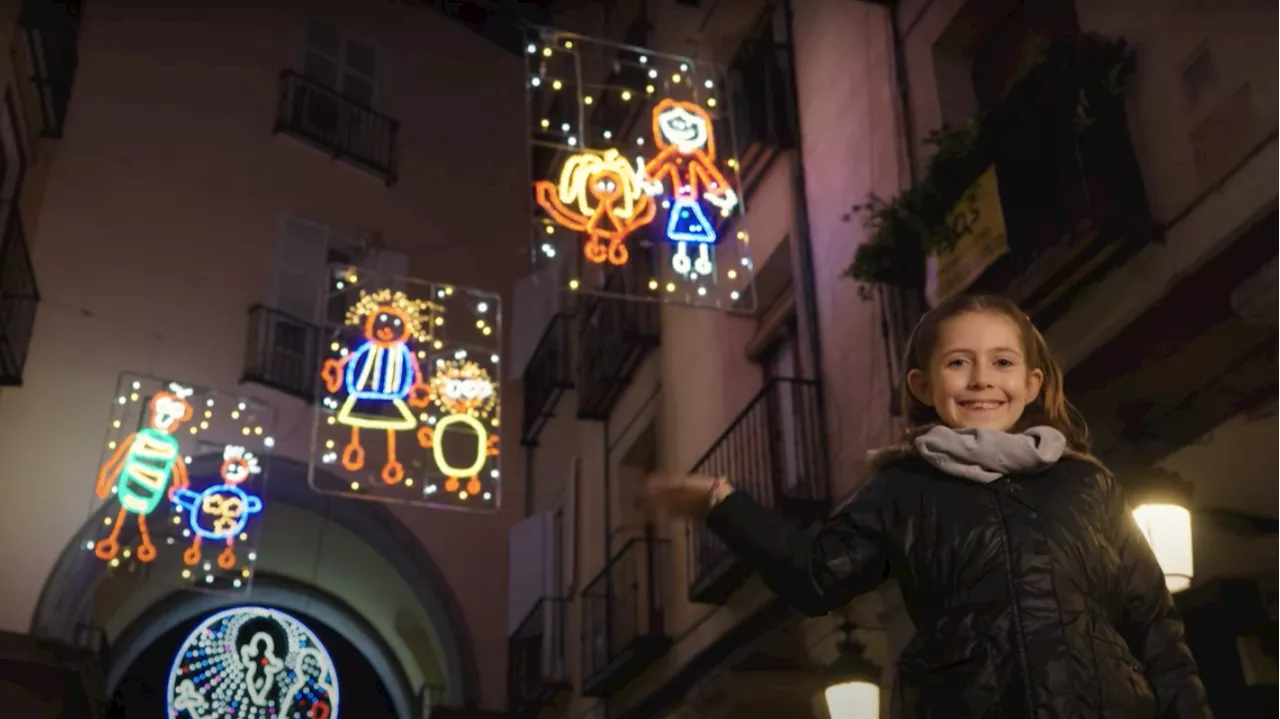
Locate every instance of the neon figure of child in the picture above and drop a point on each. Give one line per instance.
(1032, 590)
(381, 373)
(687, 156)
(220, 512)
(146, 466)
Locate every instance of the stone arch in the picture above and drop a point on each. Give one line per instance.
(61, 605)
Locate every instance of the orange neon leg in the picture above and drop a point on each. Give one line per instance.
(192, 556)
(473, 486)
(107, 548)
(146, 550)
(392, 471)
(353, 453)
(227, 559)
(451, 484)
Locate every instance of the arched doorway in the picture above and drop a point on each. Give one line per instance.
(367, 529)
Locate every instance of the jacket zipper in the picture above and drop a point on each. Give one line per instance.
(1013, 598)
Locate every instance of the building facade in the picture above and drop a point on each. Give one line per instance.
(1130, 229)
(213, 160)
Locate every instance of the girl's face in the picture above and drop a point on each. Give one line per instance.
(978, 375)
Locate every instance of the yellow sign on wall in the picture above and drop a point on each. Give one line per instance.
(979, 221)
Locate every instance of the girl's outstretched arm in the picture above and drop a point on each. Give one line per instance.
(815, 570)
(1149, 621)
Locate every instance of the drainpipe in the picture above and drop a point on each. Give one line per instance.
(804, 242)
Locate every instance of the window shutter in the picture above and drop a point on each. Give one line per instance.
(301, 249)
(526, 560)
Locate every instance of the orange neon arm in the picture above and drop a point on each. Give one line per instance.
(111, 468)
(660, 166)
(711, 175)
(560, 214)
(180, 478)
(646, 212)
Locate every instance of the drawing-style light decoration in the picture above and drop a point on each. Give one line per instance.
(182, 466)
(417, 363)
(467, 395)
(220, 512)
(382, 377)
(599, 196)
(146, 468)
(252, 663)
(686, 160)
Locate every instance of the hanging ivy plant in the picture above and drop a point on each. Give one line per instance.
(905, 229)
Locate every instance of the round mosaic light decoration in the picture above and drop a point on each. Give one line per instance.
(252, 663)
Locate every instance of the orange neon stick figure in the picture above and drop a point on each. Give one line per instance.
(382, 377)
(600, 196)
(142, 468)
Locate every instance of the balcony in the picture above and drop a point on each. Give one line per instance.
(282, 353)
(774, 451)
(624, 616)
(547, 376)
(537, 659)
(18, 299)
(51, 29)
(761, 95)
(1071, 192)
(614, 336)
(337, 125)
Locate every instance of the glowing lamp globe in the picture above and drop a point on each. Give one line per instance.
(1167, 528)
(857, 699)
(853, 681)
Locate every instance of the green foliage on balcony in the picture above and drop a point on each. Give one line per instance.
(1089, 69)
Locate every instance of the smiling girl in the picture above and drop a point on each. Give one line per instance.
(1032, 590)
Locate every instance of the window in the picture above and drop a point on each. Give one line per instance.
(13, 160)
(780, 361)
(340, 62)
(304, 252)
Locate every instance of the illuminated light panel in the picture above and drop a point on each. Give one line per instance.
(600, 197)
(181, 482)
(252, 663)
(408, 403)
(591, 227)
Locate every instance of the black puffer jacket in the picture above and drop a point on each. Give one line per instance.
(1033, 596)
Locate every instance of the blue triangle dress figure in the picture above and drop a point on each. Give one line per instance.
(687, 223)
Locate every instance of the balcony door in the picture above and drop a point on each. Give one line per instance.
(347, 66)
(780, 362)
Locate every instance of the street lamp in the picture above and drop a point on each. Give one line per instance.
(854, 690)
(1160, 503)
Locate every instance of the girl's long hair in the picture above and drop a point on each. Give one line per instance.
(1049, 408)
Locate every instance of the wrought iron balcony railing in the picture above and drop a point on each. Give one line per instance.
(537, 658)
(1070, 188)
(774, 451)
(614, 336)
(761, 91)
(19, 297)
(282, 353)
(52, 34)
(547, 376)
(624, 622)
(337, 125)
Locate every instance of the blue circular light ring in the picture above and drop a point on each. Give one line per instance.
(222, 672)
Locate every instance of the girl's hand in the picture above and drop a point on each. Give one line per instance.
(686, 497)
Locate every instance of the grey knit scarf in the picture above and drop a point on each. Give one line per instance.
(985, 455)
